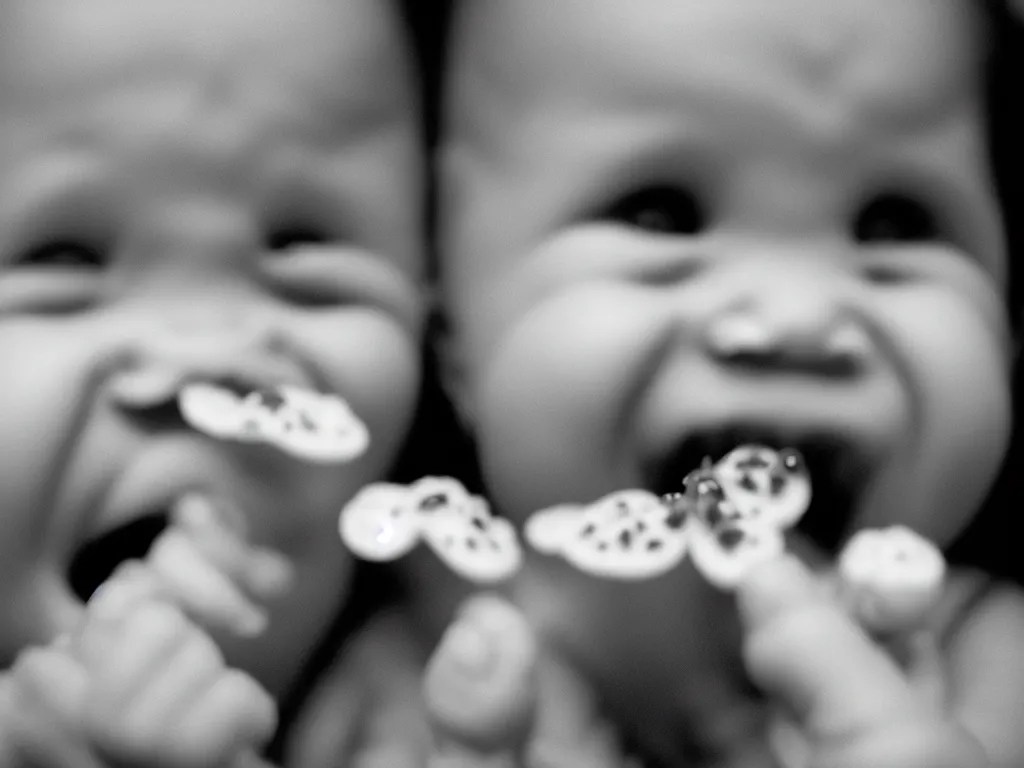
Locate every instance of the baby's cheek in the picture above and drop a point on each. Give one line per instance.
(555, 395)
(374, 363)
(959, 379)
(47, 382)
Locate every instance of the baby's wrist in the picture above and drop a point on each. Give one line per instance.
(906, 744)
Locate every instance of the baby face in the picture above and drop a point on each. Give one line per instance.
(225, 190)
(671, 226)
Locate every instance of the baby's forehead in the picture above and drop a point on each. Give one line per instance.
(874, 55)
(343, 53)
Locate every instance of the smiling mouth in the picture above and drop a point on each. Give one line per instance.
(97, 559)
(838, 466)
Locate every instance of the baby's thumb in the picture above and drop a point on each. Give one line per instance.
(802, 648)
(480, 685)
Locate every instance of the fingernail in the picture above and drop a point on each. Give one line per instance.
(775, 587)
(251, 624)
(271, 574)
(469, 648)
(199, 513)
(111, 601)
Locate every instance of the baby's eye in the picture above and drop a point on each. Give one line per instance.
(63, 254)
(294, 236)
(895, 218)
(662, 209)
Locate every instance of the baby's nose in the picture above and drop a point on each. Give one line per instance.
(198, 337)
(186, 238)
(796, 324)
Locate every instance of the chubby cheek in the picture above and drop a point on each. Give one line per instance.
(47, 376)
(556, 394)
(958, 370)
(375, 365)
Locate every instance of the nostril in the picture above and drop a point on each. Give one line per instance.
(810, 337)
(813, 360)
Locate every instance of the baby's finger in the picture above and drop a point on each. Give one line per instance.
(179, 679)
(131, 586)
(803, 648)
(52, 678)
(201, 588)
(40, 703)
(124, 668)
(480, 685)
(249, 758)
(923, 663)
(264, 573)
(49, 687)
(466, 759)
(235, 716)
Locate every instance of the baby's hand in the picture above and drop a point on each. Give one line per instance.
(137, 684)
(42, 697)
(494, 703)
(854, 706)
(154, 688)
(207, 568)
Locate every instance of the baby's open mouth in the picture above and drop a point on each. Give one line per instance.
(97, 558)
(839, 468)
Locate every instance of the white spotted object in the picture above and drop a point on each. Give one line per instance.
(769, 485)
(212, 409)
(385, 521)
(725, 554)
(742, 507)
(309, 425)
(378, 525)
(626, 535)
(731, 517)
(891, 578)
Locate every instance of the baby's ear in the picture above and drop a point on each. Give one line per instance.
(451, 368)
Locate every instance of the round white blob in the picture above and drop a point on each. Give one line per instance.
(210, 409)
(891, 577)
(377, 525)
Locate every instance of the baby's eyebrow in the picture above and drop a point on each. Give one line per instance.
(64, 184)
(964, 196)
(300, 185)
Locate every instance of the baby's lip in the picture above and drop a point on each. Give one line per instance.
(155, 387)
(162, 474)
